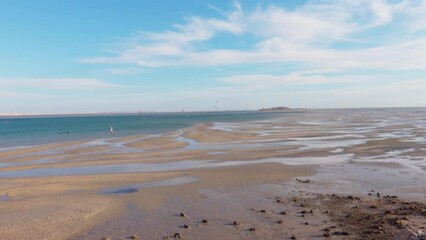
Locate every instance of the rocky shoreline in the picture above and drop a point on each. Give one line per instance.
(329, 216)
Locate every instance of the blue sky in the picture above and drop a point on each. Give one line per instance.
(111, 56)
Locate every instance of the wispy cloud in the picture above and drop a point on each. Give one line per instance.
(264, 81)
(306, 35)
(342, 52)
(82, 84)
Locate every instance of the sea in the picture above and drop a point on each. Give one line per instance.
(36, 130)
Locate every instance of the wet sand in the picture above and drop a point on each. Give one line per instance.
(254, 173)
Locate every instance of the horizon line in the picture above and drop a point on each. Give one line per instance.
(194, 111)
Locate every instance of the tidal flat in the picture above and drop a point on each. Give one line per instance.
(314, 174)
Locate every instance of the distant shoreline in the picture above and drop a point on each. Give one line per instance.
(22, 115)
(118, 113)
(114, 113)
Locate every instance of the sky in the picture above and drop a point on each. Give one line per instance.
(95, 56)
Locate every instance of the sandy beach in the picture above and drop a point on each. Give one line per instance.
(330, 177)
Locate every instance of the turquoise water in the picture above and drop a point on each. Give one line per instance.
(26, 131)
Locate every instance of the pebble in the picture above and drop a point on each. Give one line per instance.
(236, 223)
(182, 214)
(185, 226)
(205, 221)
(177, 235)
(252, 229)
(344, 233)
(303, 180)
(388, 212)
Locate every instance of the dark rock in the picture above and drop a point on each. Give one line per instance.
(280, 221)
(388, 212)
(342, 233)
(327, 234)
(283, 213)
(235, 223)
(205, 221)
(177, 235)
(182, 214)
(303, 180)
(185, 226)
(263, 211)
(252, 229)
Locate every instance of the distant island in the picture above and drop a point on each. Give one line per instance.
(275, 109)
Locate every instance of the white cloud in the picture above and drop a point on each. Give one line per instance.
(344, 37)
(130, 71)
(265, 80)
(55, 83)
(304, 35)
(6, 96)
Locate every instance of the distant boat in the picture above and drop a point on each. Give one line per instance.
(111, 129)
